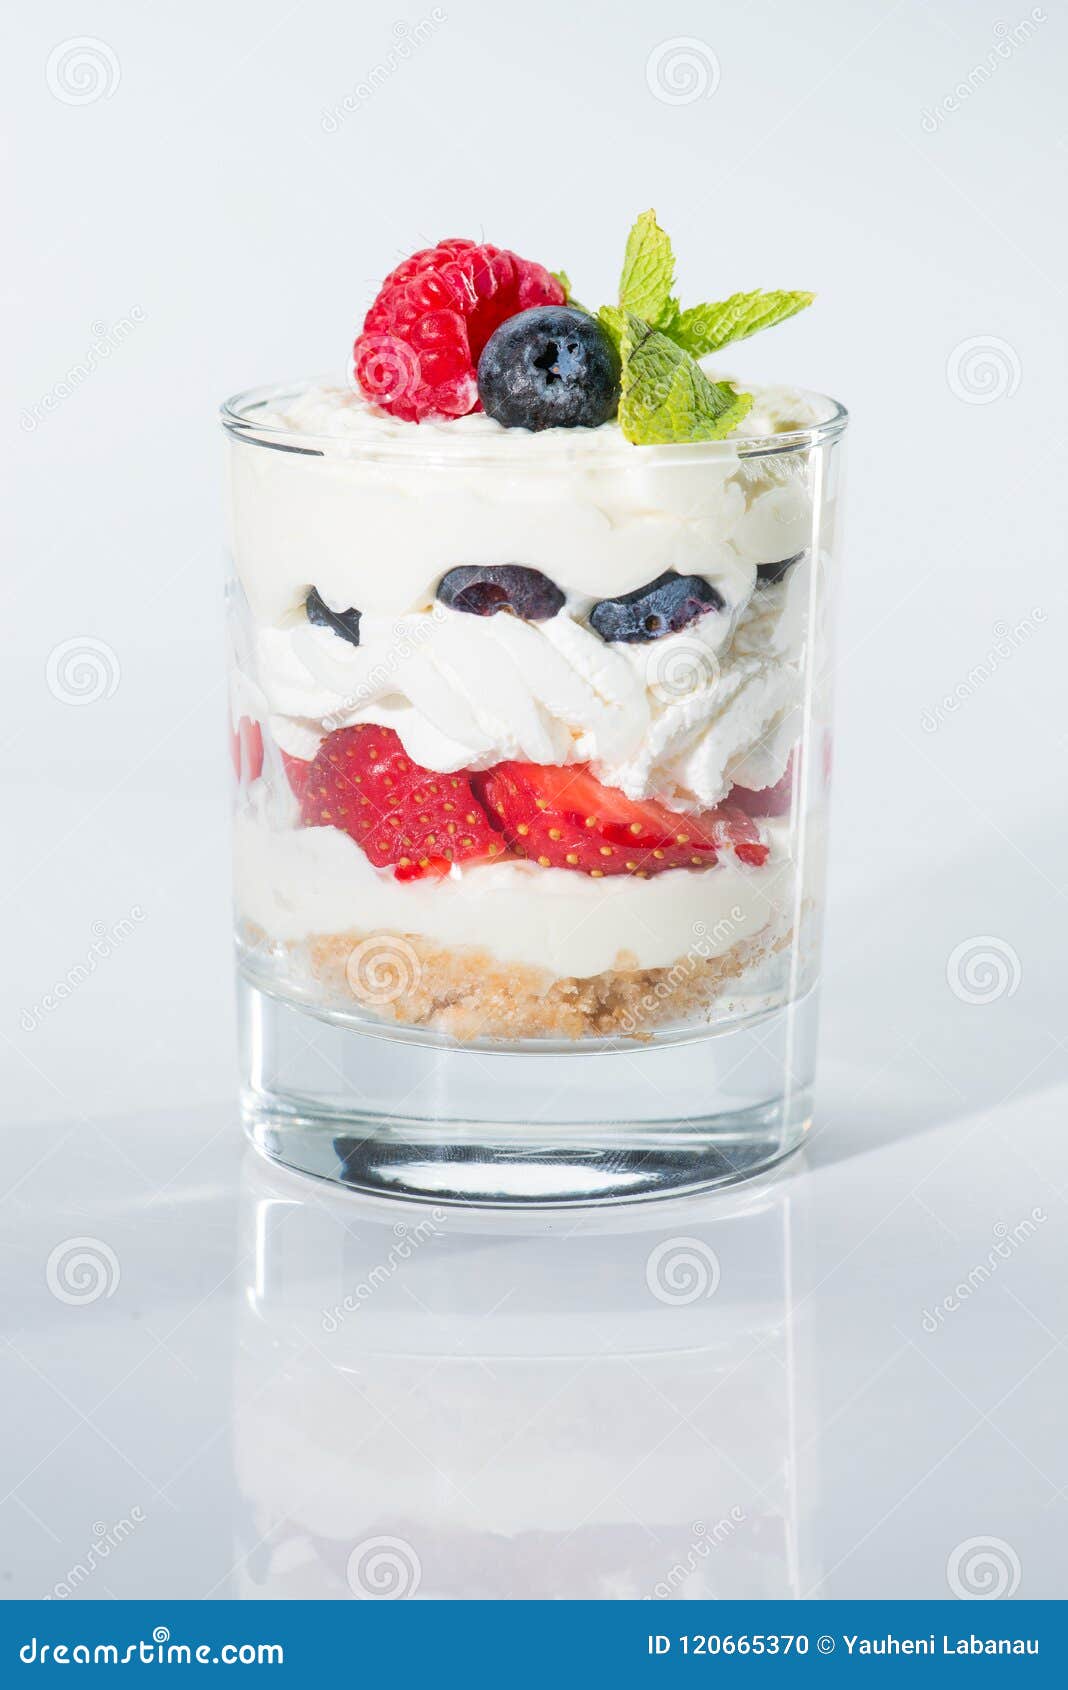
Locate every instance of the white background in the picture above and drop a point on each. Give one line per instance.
(218, 218)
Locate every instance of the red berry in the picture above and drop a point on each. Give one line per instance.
(246, 750)
(401, 815)
(566, 818)
(296, 769)
(771, 800)
(422, 337)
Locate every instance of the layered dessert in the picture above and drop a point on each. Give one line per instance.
(524, 706)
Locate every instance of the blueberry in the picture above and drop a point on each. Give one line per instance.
(664, 606)
(770, 573)
(551, 367)
(344, 622)
(483, 590)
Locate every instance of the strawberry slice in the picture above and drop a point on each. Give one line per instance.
(771, 800)
(566, 818)
(246, 750)
(402, 816)
(296, 769)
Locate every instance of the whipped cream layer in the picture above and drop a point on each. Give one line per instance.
(297, 883)
(373, 526)
(680, 718)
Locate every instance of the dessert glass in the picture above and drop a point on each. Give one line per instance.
(514, 1031)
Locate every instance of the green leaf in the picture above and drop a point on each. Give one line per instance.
(705, 328)
(666, 397)
(612, 321)
(648, 273)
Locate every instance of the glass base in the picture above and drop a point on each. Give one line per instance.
(448, 1124)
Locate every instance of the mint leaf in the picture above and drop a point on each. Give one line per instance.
(666, 397)
(613, 322)
(648, 273)
(705, 328)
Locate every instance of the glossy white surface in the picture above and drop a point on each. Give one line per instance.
(279, 1374)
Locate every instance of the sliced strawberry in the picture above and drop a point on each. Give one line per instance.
(402, 816)
(246, 750)
(296, 769)
(566, 818)
(771, 800)
(730, 826)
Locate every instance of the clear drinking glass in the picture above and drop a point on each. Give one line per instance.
(513, 1031)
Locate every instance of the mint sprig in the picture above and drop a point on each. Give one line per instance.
(666, 398)
(705, 328)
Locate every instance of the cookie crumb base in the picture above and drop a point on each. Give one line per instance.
(467, 994)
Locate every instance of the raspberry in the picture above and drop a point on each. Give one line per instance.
(402, 816)
(424, 334)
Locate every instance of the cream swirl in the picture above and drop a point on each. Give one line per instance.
(680, 718)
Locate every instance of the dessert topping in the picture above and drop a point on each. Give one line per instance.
(424, 333)
(551, 367)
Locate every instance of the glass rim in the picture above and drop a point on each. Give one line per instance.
(236, 416)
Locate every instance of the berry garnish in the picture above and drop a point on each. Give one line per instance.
(482, 591)
(402, 816)
(552, 367)
(246, 750)
(770, 573)
(344, 622)
(424, 334)
(664, 606)
(566, 818)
